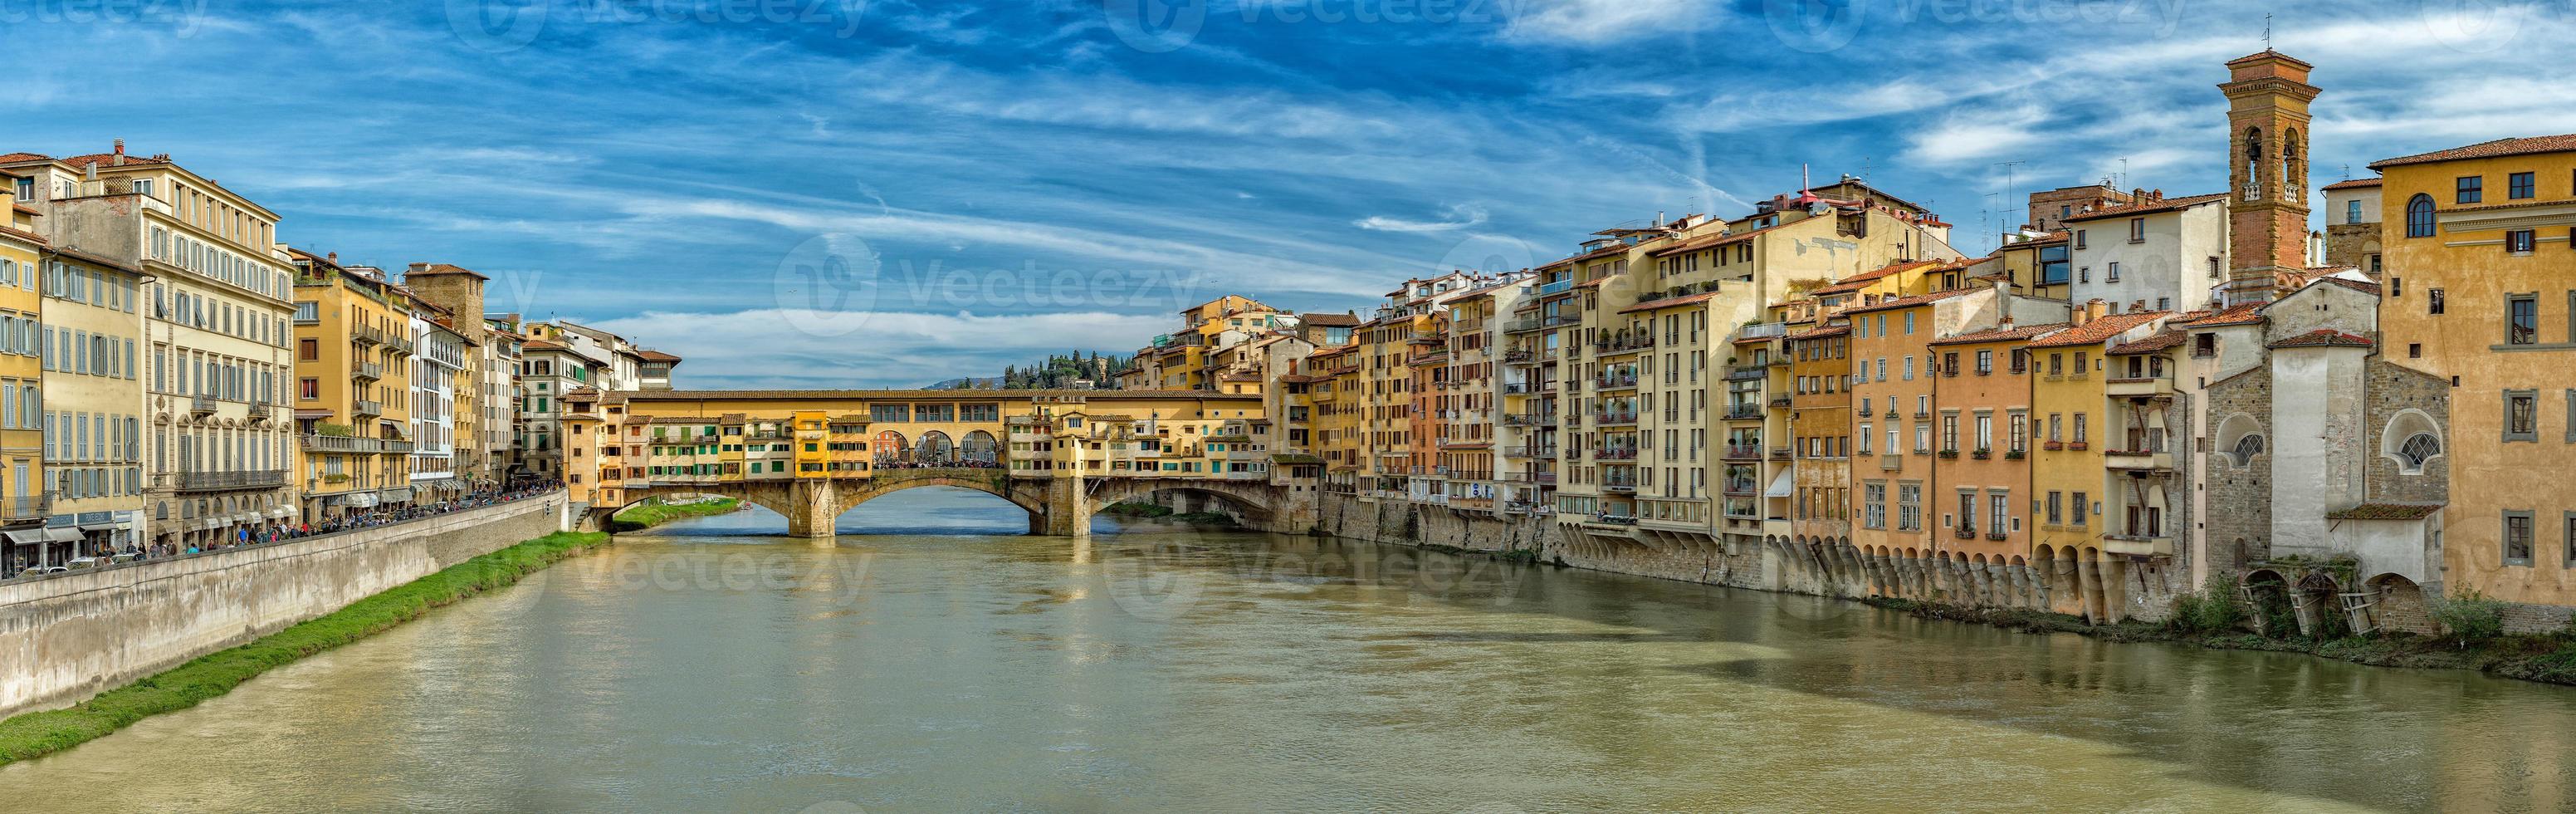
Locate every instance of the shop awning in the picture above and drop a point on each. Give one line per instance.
(62, 534)
(25, 536)
(1781, 486)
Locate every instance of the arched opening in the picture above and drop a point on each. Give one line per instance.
(934, 448)
(2267, 596)
(2419, 215)
(2397, 603)
(934, 509)
(980, 449)
(2253, 181)
(2412, 440)
(891, 447)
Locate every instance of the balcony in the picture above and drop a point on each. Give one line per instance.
(221, 481)
(29, 507)
(1628, 382)
(1524, 325)
(201, 405)
(1746, 372)
(367, 335)
(1628, 454)
(1743, 488)
(364, 407)
(368, 371)
(1530, 452)
(1529, 420)
(1618, 488)
(1558, 287)
(2146, 387)
(354, 445)
(1624, 344)
(1780, 402)
(1619, 417)
(1766, 330)
(1779, 453)
(1744, 412)
(2138, 459)
(1891, 462)
(1518, 356)
(1539, 478)
(2138, 543)
(1741, 452)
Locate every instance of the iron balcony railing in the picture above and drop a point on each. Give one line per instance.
(216, 481)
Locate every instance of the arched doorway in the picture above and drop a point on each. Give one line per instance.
(935, 448)
(890, 447)
(982, 448)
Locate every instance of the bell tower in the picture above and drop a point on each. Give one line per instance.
(2267, 172)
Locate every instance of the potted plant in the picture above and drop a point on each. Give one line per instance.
(2077, 445)
(1983, 453)
(2014, 454)
(1950, 454)
(2053, 445)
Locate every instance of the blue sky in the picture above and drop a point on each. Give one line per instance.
(832, 193)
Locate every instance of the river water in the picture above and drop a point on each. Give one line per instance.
(941, 662)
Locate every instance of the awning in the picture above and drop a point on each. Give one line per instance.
(1781, 486)
(25, 536)
(362, 500)
(280, 511)
(60, 534)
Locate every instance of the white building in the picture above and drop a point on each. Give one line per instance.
(442, 362)
(2157, 254)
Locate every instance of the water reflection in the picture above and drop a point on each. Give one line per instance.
(955, 665)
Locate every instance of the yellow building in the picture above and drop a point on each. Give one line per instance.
(93, 402)
(23, 500)
(2477, 259)
(215, 344)
(352, 387)
(2070, 410)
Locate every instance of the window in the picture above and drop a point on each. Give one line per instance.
(2137, 230)
(2112, 274)
(2052, 265)
(2419, 448)
(2079, 238)
(2471, 189)
(2216, 269)
(2522, 322)
(2419, 216)
(1985, 362)
(2082, 509)
(2517, 186)
(2517, 537)
(2522, 415)
(2246, 448)
(2433, 300)
(2352, 211)
(2016, 424)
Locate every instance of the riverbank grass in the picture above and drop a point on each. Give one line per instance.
(656, 513)
(41, 733)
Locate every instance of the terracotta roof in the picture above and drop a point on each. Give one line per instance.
(542, 344)
(27, 209)
(435, 269)
(2250, 314)
(2267, 52)
(1820, 333)
(2146, 207)
(2099, 330)
(1329, 320)
(14, 158)
(656, 356)
(2357, 183)
(1862, 280)
(109, 159)
(2486, 149)
(2363, 286)
(2150, 344)
(1918, 299)
(939, 395)
(1706, 241)
(2324, 338)
(1614, 248)
(1595, 282)
(2001, 334)
(2386, 511)
(1669, 302)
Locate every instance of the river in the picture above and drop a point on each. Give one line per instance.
(941, 662)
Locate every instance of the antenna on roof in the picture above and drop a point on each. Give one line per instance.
(2267, 33)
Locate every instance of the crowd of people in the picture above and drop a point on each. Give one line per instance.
(280, 531)
(952, 463)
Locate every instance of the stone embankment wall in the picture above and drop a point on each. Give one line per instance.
(68, 637)
(2105, 588)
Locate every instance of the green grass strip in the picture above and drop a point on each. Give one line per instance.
(654, 514)
(41, 733)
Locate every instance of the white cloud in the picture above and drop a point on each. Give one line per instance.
(1599, 22)
(764, 348)
(1458, 216)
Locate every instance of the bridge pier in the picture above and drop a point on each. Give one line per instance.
(1068, 510)
(816, 508)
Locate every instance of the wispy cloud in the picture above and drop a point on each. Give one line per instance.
(1455, 217)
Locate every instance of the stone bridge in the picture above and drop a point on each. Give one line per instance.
(1057, 506)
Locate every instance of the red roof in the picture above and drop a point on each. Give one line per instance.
(655, 356)
(2386, 511)
(2150, 344)
(1918, 299)
(1862, 280)
(2147, 207)
(1820, 333)
(2099, 330)
(2251, 314)
(2363, 286)
(1669, 302)
(2001, 334)
(2357, 183)
(2486, 149)
(2324, 338)
(1706, 241)
(434, 269)
(1327, 319)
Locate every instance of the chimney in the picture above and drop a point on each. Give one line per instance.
(334, 257)
(120, 152)
(415, 267)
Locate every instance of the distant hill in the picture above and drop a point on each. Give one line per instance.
(1059, 372)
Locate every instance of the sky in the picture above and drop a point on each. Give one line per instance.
(886, 193)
